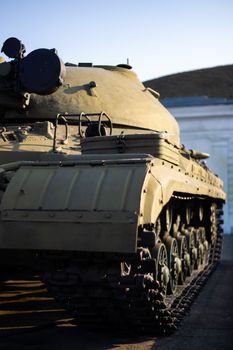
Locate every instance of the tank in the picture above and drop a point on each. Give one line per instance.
(98, 195)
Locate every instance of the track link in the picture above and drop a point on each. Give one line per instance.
(100, 297)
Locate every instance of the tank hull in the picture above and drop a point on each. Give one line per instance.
(82, 214)
(97, 194)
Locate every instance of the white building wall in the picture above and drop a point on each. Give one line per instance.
(210, 129)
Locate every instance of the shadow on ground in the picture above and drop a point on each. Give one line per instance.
(31, 319)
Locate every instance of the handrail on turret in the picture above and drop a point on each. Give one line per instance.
(80, 116)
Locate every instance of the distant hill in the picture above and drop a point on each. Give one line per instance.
(211, 82)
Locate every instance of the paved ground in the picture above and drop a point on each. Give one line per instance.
(30, 319)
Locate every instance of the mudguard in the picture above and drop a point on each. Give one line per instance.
(90, 205)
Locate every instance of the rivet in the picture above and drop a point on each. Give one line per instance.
(79, 215)
(51, 215)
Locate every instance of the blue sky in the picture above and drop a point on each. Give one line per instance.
(159, 37)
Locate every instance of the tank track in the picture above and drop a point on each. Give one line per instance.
(98, 296)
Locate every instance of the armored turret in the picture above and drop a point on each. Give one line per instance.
(33, 87)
